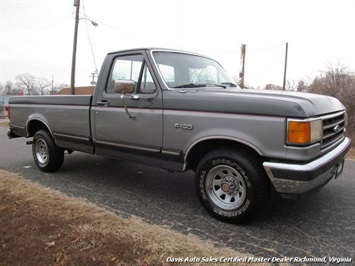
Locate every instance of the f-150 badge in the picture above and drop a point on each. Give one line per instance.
(183, 126)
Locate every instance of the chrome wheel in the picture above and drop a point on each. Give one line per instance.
(226, 187)
(47, 155)
(231, 184)
(41, 150)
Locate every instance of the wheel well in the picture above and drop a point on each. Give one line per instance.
(34, 126)
(203, 147)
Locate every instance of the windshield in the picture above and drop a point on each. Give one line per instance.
(191, 71)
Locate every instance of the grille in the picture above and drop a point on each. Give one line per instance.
(333, 128)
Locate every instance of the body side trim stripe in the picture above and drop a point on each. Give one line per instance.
(60, 135)
(121, 145)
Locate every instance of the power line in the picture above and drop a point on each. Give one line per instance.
(127, 32)
(31, 34)
(267, 66)
(265, 48)
(87, 30)
(262, 72)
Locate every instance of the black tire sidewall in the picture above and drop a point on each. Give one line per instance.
(55, 154)
(248, 173)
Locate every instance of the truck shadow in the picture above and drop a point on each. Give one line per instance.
(172, 194)
(169, 200)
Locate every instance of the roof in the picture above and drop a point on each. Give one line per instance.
(157, 49)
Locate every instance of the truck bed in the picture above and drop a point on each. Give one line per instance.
(67, 117)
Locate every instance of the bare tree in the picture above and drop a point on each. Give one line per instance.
(301, 86)
(272, 87)
(27, 82)
(42, 85)
(338, 82)
(290, 86)
(9, 89)
(204, 75)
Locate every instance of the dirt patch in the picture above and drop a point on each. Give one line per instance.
(351, 154)
(41, 226)
(4, 123)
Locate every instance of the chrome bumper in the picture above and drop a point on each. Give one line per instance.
(296, 179)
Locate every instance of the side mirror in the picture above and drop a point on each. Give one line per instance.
(124, 86)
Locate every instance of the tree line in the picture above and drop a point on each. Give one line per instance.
(28, 84)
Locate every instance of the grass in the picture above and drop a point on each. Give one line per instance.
(41, 226)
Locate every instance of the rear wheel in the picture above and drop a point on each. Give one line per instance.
(232, 184)
(47, 155)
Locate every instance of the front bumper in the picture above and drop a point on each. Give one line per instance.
(293, 180)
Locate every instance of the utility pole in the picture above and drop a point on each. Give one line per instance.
(52, 84)
(93, 82)
(72, 79)
(242, 59)
(285, 70)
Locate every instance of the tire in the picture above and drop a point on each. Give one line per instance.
(47, 155)
(232, 185)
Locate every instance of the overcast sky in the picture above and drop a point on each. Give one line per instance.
(36, 36)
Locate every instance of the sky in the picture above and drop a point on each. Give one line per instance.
(36, 36)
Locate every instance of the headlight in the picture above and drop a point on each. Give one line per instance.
(304, 132)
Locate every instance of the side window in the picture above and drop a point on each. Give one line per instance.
(126, 68)
(147, 84)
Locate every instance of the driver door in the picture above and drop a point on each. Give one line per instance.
(130, 126)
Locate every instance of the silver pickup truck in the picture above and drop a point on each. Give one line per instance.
(180, 111)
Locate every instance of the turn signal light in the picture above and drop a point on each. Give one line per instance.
(303, 132)
(299, 132)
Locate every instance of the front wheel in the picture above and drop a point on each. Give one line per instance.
(231, 184)
(47, 155)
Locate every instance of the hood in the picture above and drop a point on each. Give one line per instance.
(260, 102)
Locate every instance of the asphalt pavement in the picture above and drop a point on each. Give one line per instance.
(321, 225)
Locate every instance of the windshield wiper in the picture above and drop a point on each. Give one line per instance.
(190, 85)
(197, 85)
(217, 85)
(229, 83)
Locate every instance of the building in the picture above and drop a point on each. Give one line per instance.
(4, 101)
(78, 90)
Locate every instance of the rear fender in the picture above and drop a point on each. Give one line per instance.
(36, 122)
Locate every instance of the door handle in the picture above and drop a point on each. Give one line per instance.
(103, 103)
(134, 97)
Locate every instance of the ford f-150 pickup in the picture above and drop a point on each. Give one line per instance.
(180, 111)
